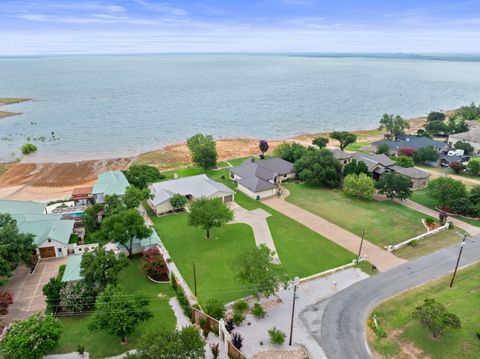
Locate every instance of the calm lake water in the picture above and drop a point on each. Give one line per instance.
(104, 106)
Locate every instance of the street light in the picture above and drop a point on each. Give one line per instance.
(296, 282)
(458, 259)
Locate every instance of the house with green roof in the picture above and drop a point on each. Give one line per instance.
(109, 183)
(138, 245)
(51, 232)
(72, 269)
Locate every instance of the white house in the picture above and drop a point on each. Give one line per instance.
(260, 178)
(190, 187)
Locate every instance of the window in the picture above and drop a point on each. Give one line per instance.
(59, 250)
(49, 240)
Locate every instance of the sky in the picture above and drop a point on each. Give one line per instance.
(42, 27)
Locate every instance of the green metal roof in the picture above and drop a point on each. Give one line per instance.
(23, 207)
(111, 182)
(72, 269)
(45, 226)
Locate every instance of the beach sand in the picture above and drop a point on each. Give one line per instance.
(52, 181)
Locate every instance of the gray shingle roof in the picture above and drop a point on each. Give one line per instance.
(339, 154)
(472, 135)
(411, 172)
(373, 160)
(256, 184)
(264, 169)
(411, 142)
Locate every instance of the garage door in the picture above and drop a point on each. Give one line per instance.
(47, 252)
(228, 198)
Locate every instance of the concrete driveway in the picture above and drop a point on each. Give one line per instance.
(27, 289)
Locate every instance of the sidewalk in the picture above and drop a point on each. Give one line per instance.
(472, 230)
(379, 257)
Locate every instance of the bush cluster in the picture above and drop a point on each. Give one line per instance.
(182, 299)
(276, 336)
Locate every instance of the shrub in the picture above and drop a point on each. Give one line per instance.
(276, 336)
(229, 325)
(240, 306)
(429, 220)
(154, 265)
(478, 335)
(52, 291)
(76, 296)
(359, 186)
(407, 151)
(413, 243)
(203, 322)
(178, 201)
(238, 318)
(404, 161)
(6, 299)
(435, 317)
(28, 148)
(381, 333)
(80, 349)
(464, 206)
(237, 340)
(215, 309)
(258, 311)
(383, 148)
(474, 167)
(214, 348)
(457, 166)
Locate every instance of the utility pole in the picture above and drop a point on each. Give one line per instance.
(458, 260)
(195, 279)
(295, 285)
(361, 245)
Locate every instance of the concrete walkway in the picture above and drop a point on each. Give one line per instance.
(379, 257)
(257, 219)
(472, 230)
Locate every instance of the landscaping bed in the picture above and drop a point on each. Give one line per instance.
(385, 222)
(100, 344)
(406, 335)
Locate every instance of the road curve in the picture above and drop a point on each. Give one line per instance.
(342, 334)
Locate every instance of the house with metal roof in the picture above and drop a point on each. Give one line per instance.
(414, 142)
(72, 269)
(109, 183)
(191, 187)
(23, 207)
(260, 178)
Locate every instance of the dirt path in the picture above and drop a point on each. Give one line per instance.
(382, 259)
(472, 230)
(437, 172)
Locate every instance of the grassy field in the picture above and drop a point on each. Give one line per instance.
(101, 345)
(425, 199)
(385, 222)
(430, 244)
(406, 334)
(357, 146)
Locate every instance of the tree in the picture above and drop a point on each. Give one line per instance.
(255, 268)
(178, 201)
(355, 167)
(457, 166)
(359, 186)
(6, 299)
(90, 217)
(345, 138)
(319, 167)
(436, 127)
(113, 205)
(134, 196)
(474, 195)
(464, 206)
(383, 149)
(436, 116)
(263, 146)
(290, 152)
(425, 154)
(209, 213)
(470, 112)
(215, 309)
(404, 161)
(154, 264)
(393, 186)
(465, 146)
(119, 313)
(203, 150)
(141, 176)
(15, 247)
(185, 343)
(101, 267)
(474, 167)
(31, 338)
(123, 228)
(407, 151)
(445, 189)
(76, 296)
(456, 124)
(435, 317)
(51, 290)
(320, 142)
(394, 124)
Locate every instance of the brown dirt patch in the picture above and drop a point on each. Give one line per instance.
(279, 354)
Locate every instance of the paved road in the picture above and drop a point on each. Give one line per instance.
(382, 259)
(342, 333)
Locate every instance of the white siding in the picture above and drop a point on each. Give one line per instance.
(57, 245)
(262, 194)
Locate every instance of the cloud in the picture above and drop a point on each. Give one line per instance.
(161, 7)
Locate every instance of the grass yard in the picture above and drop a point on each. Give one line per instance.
(430, 244)
(100, 344)
(425, 199)
(404, 333)
(385, 222)
(213, 257)
(357, 146)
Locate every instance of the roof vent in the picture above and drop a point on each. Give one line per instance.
(407, 139)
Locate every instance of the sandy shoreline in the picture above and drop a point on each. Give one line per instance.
(50, 181)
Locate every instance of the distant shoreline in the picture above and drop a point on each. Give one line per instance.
(11, 101)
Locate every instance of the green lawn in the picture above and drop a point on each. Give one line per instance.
(429, 244)
(213, 257)
(425, 199)
(357, 146)
(385, 222)
(99, 344)
(463, 299)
